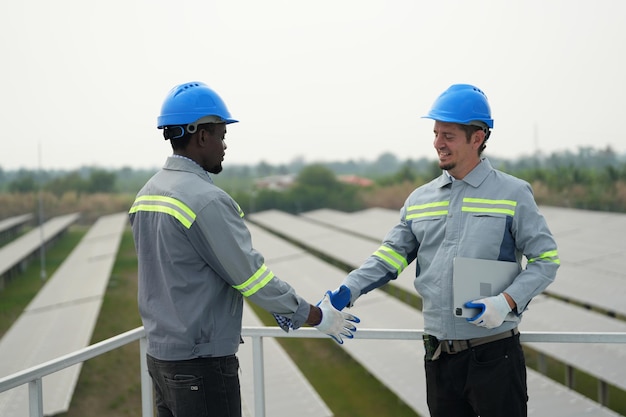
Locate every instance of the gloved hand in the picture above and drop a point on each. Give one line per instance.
(340, 298)
(493, 311)
(334, 322)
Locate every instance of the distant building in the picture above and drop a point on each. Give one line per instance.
(355, 180)
(275, 182)
(284, 182)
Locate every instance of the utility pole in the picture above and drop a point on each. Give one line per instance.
(42, 249)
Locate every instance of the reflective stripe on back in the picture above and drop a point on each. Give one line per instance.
(166, 205)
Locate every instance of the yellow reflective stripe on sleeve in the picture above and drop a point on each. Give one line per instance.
(483, 205)
(438, 208)
(257, 281)
(167, 205)
(392, 258)
(550, 256)
(240, 210)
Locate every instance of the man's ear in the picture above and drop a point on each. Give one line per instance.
(206, 133)
(202, 137)
(478, 138)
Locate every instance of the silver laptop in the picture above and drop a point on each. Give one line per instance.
(479, 278)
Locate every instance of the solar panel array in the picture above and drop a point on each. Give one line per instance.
(12, 224)
(342, 236)
(61, 318)
(593, 258)
(15, 254)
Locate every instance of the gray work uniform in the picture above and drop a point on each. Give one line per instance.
(486, 215)
(196, 264)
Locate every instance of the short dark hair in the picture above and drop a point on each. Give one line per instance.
(207, 126)
(470, 130)
(181, 142)
(177, 135)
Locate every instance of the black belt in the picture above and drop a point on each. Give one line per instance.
(455, 346)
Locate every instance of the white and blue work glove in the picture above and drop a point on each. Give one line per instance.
(336, 323)
(340, 298)
(493, 311)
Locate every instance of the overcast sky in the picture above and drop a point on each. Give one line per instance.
(82, 82)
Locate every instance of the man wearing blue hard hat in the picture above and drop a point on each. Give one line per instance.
(475, 365)
(196, 264)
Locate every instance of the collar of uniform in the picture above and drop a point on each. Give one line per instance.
(182, 163)
(474, 178)
(479, 173)
(443, 180)
(184, 157)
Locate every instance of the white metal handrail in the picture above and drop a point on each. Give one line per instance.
(33, 376)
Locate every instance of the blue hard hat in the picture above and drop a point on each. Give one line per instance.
(463, 104)
(187, 103)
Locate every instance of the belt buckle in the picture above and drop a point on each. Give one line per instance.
(455, 346)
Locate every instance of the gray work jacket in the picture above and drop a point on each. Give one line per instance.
(196, 264)
(486, 215)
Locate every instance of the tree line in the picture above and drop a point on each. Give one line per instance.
(590, 179)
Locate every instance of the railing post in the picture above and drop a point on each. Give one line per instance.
(147, 399)
(541, 363)
(35, 398)
(603, 393)
(259, 376)
(569, 376)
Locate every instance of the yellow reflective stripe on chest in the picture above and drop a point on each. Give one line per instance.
(484, 205)
(168, 205)
(257, 281)
(438, 208)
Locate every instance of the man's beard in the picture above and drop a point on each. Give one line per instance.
(448, 166)
(215, 169)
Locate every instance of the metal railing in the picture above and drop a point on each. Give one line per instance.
(33, 376)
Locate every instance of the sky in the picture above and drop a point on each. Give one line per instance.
(82, 82)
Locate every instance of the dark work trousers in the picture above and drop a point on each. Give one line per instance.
(487, 381)
(202, 387)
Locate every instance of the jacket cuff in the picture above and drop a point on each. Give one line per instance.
(302, 313)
